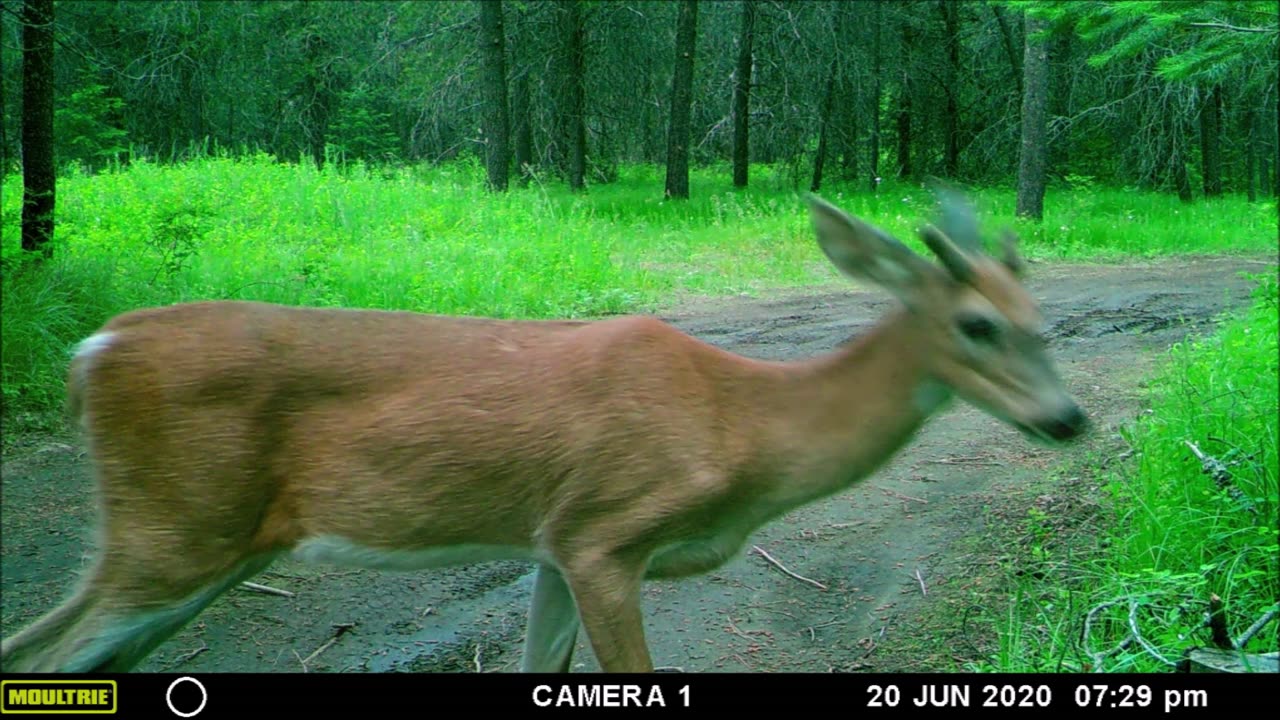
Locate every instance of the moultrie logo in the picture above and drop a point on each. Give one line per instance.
(58, 697)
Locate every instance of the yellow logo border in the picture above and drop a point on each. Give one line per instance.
(115, 697)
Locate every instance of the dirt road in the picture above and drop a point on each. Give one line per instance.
(884, 551)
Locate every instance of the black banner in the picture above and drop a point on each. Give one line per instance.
(216, 695)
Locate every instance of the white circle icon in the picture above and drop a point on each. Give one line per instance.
(168, 697)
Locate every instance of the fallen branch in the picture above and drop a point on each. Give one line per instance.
(813, 637)
(338, 630)
(1098, 657)
(187, 656)
(872, 643)
(476, 659)
(921, 579)
(1215, 468)
(784, 569)
(771, 610)
(266, 590)
(1267, 617)
(1133, 628)
(897, 494)
(961, 460)
(734, 629)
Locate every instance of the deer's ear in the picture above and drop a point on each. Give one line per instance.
(867, 253)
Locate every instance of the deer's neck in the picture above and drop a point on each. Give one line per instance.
(839, 417)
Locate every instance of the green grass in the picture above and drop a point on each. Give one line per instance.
(1171, 536)
(431, 239)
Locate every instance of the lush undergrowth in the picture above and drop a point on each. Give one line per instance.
(432, 239)
(1172, 535)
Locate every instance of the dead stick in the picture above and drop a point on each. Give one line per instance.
(873, 642)
(187, 656)
(1254, 628)
(338, 630)
(477, 658)
(1218, 623)
(265, 589)
(921, 579)
(784, 569)
(963, 461)
(895, 493)
(1133, 628)
(1216, 469)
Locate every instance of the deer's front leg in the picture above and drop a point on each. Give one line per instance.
(607, 590)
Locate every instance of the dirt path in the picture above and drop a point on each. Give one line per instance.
(885, 551)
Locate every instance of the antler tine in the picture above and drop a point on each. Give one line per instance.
(1009, 252)
(952, 257)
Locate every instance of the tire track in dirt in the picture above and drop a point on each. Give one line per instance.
(879, 548)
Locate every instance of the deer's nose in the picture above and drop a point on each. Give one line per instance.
(1068, 424)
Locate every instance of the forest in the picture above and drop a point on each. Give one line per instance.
(1172, 96)
(592, 158)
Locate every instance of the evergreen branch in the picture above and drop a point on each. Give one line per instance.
(1233, 28)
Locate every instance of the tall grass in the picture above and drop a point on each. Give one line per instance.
(432, 239)
(1173, 536)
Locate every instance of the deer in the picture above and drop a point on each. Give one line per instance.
(226, 434)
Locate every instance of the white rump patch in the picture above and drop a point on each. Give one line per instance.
(93, 345)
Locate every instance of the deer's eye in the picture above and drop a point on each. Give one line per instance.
(979, 328)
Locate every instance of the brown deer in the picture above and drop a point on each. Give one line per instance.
(224, 434)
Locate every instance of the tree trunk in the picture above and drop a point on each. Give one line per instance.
(873, 149)
(38, 169)
(951, 27)
(844, 118)
(1250, 153)
(742, 97)
(319, 95)
(828, 102)
(1031, 165)
(577, 139)
(820, 157)
(1211, 142)
(1063, 52)
(1181, 178)
(681, 101)
(905, 169)
(523, 127)
(494, 89)
(1174, 132)
(1264, 174)
(1007, 35)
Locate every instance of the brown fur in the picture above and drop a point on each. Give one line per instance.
(226, 433)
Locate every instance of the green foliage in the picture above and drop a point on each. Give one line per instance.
(1207, 40)
(1173, 536)
(362, 131)
(432, 239)
(85, 127)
